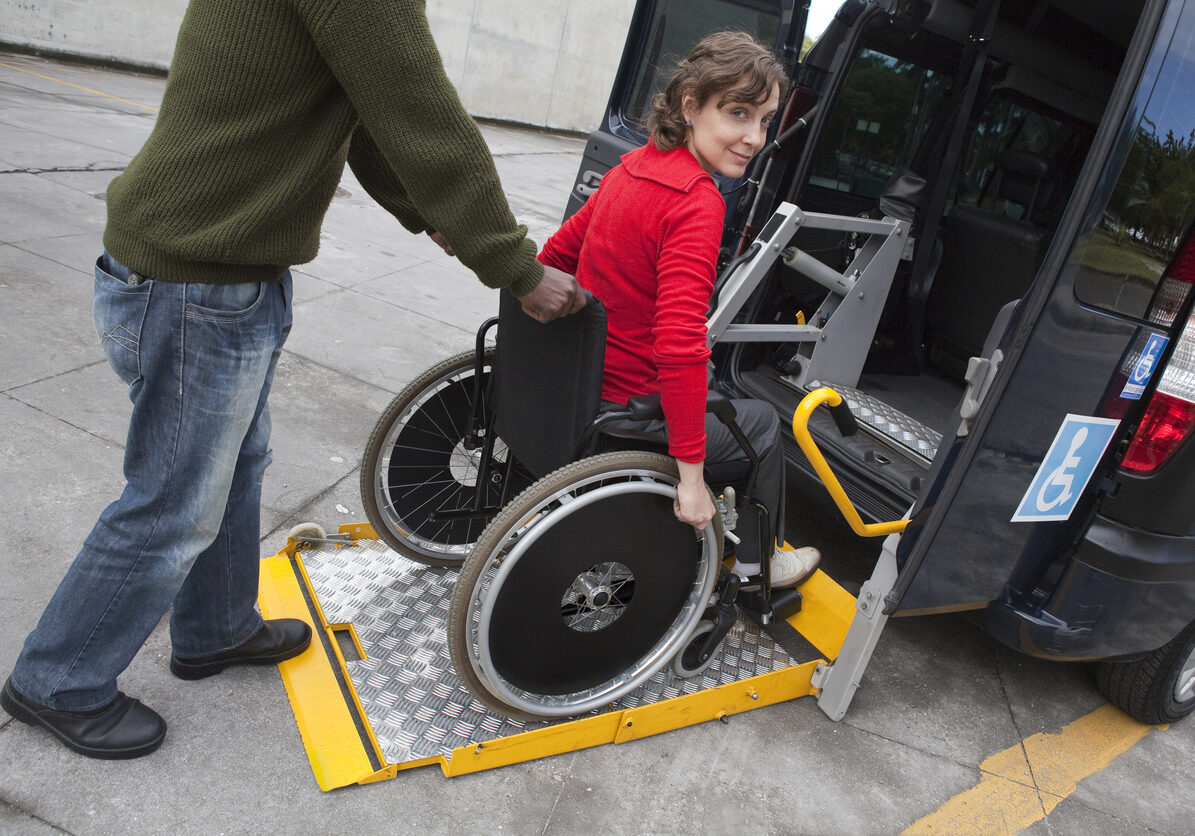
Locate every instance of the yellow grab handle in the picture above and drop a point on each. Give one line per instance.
(808, 446)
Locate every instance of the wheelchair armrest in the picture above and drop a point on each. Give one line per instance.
(721, 406)
(648, 407)
(645, 407)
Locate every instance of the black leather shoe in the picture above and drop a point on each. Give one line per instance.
(276, 641)
(122, 729)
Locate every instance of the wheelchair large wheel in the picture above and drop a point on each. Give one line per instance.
(418, 462)
(581, 588)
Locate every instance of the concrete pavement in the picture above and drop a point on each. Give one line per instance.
(375, 308)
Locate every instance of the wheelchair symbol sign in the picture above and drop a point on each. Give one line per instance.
(1066, 469)
(1135, 385)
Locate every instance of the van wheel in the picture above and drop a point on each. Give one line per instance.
(1159, 688)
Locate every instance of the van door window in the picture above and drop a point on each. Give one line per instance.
(676, 27)
(880, 117)
(1007, 126)
(1123, 257)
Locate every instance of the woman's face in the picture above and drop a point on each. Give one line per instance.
(724, 137)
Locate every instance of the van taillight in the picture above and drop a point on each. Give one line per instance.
(1170, 416)
(1167, 422)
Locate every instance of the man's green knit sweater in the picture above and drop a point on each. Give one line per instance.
(265, 102)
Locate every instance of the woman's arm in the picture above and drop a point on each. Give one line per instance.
(685, 282)
(693, 504)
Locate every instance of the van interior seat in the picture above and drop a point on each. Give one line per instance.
(990, 254)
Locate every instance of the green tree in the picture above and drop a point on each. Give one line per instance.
(1155, 193)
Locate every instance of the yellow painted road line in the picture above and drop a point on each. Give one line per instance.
(77, 86)
(1023, 784)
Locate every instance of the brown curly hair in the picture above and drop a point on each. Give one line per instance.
(731, 65)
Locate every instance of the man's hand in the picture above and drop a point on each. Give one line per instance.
(556, 295)
(442, 242)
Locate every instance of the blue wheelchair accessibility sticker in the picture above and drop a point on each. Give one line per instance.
(1135, 385)
(1066, 469)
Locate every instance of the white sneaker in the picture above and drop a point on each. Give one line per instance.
(791, 566)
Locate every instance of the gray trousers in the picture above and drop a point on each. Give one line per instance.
(760, 424)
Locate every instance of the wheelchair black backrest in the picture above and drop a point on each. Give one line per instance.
(547, 382)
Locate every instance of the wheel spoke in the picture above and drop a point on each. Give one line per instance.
(417, 463)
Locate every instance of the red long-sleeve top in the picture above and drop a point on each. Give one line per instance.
(646, 244)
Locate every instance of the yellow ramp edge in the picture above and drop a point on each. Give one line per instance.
(826, 614)
(331, 734)
(635, 723)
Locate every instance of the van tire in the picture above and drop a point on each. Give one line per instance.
(1149, 689)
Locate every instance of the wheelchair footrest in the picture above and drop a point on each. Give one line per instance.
(786, 603)
(782, 604)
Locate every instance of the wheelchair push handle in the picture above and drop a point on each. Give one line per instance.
(847, 425)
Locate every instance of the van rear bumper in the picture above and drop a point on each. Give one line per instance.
(1124, 592)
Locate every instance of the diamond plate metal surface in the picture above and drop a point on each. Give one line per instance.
(891, 423)
(413, 699)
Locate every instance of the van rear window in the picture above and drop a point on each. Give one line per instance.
(1153, 203)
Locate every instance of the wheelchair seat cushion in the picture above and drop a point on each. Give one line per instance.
(547, 381)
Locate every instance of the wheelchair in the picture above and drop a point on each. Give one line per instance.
(577, 582)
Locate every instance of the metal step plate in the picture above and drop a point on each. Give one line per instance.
(413, 700)
(892, 425)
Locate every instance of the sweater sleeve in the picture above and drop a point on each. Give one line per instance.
(380, 182)
(384, 56)
(687, 262)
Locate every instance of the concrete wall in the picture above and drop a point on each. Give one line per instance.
(548, 63)
(137, 32)
(540, 62)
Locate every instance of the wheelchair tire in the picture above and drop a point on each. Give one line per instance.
(686, 664)
(415, 464)
(581, 589)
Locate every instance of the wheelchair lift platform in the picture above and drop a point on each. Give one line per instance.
(377, 694)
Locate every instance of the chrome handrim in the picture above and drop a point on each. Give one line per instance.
(519, 540)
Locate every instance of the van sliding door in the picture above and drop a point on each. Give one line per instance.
(1009, 500)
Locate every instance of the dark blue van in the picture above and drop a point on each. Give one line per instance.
(1023, 363)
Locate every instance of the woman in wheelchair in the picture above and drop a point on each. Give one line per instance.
(646, 244)
(581, 577)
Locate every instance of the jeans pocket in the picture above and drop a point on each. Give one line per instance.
(240, 323)
(119, 310)
(229, 303)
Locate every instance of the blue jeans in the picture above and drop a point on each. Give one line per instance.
(199, 360)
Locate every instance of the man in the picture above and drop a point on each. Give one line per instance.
(264, 105)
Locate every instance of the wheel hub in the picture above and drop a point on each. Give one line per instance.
(464, 464)
(597, 597)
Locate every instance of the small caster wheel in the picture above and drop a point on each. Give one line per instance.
(688, 663)
(304, 533)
